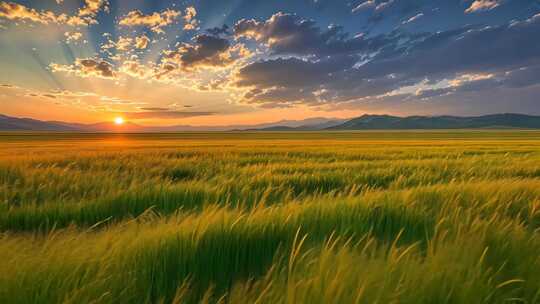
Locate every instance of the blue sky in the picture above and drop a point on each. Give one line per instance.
(229, 62)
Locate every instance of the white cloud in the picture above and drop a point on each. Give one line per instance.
(483, 5)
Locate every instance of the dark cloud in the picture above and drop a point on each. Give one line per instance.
(155, 109)
(49, 96)
(290, 34)
(431, 93)
(217, 31)
(466, 50)
(523, 77)
(381, 64)
(87, 67)
(99, 67)
(205, 51)
(516, 79)
(291, 72)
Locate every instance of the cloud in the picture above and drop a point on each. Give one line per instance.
(522, 77)
(382, 65)
(86, 15)
(87, 68)
(465, 50)
(413, 18)
(141, 42)
(124, 46)
(426, 94)
(290, 72)
(364, 5)
(92, 7)
(383, 5)
(73, 36)
(123, 43)
(134, 68)
(155, 21)
(49, 96)
(289, 34)
(515, 79)
(289, 80)
(218, 31)
(189, 17)
(155, 109)
(483, 5)
(206, 51)
(15, 11)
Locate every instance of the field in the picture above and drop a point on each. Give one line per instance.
(343, 217)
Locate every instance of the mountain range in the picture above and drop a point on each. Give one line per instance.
(364, 122)
(387, 122)
(8, 123)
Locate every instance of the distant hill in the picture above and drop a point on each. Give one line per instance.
(312, 125)
(365, 122)
(8, 123)
(387, 122)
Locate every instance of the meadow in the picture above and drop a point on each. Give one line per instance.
(328, 217)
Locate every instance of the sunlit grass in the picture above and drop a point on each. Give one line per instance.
(405, 217)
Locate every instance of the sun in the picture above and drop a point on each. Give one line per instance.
(119, 120)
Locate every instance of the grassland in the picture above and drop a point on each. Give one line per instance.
(345, 217)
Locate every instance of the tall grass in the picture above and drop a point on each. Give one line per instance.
(369, 217)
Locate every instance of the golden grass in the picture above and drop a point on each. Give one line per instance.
(343, 217)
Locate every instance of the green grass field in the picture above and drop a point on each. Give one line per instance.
(345, 217)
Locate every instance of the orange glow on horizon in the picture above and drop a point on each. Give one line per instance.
(119, 120)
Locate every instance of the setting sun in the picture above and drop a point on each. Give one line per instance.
(119, 120)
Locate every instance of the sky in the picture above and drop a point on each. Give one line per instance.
(209, 62)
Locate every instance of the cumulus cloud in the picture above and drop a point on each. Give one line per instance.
(155, 21)
(206, 51)
(124, 46)
(191, 23)
(290, 34)
(85, 16)
(141, 42)
(135, 68)
(92, 7)
(123, 43)
(87, 68)
(483, 5)
(73, 36)
(290, 80)
(15, 11)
